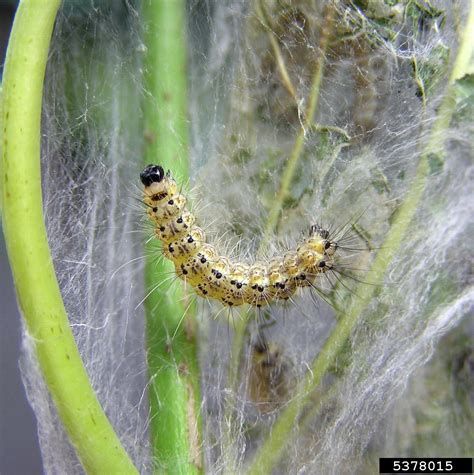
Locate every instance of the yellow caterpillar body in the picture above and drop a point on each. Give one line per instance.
(215, 276)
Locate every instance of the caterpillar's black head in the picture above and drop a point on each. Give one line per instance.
(152, 174)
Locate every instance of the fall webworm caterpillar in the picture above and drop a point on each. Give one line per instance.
(270, 378)
(215, 276)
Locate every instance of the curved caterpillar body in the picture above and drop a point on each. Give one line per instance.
(215, 276)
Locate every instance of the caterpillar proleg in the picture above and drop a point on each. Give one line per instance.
(217, 277)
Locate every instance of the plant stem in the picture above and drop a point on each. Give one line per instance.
(291, 165)
(39, 297)
(174, 393)
(272, 449)
(285, 77)
(1, 150)
(288, 173)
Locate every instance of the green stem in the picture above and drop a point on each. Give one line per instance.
(274, 214)
(292, 163)
(39, 297)
(1, 150)
(174, 393)
(272, 449)
(285, 76)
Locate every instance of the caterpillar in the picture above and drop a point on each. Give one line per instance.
(270, 381)
(215, 276)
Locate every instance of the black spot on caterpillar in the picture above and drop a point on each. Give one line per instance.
(215, 276)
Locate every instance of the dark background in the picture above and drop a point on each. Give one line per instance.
(19, 449)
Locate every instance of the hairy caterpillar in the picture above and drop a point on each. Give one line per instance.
(270, 377)
(217, 277)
